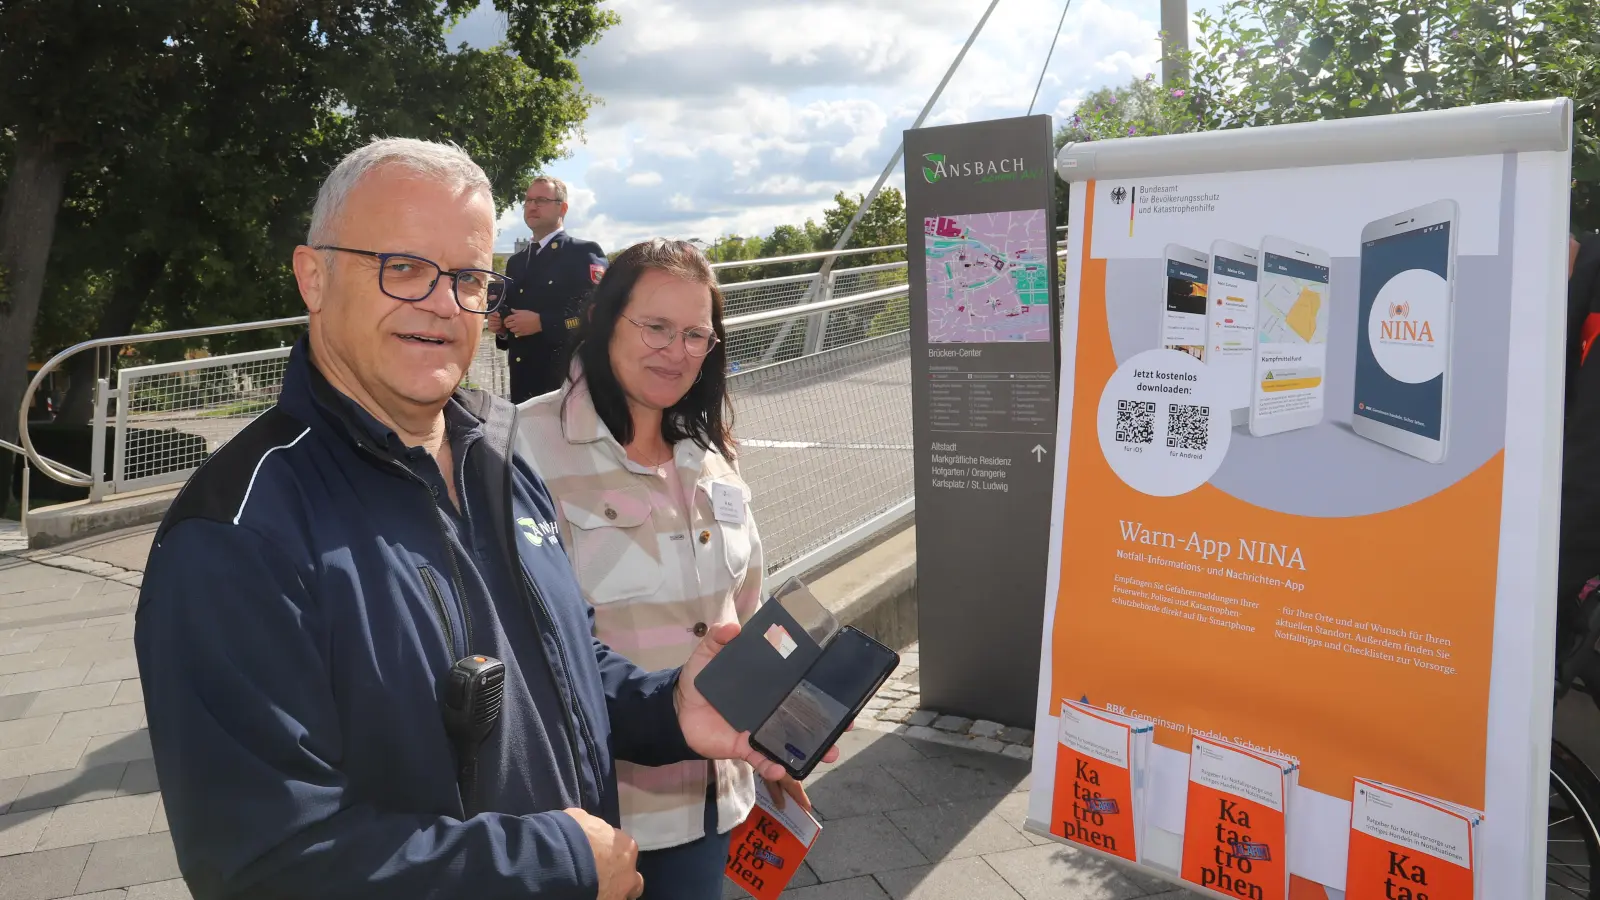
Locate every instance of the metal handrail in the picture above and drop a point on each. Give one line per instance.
(7, 445)
(818, 254)
(801, 257)
(751, 320)
(66, 474)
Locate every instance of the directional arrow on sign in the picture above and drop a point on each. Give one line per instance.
(1038, 452)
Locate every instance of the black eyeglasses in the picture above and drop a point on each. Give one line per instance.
(659, 335)
(412, 278)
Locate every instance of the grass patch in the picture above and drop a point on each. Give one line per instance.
(240, 408)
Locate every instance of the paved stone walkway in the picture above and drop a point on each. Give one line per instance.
(920, 806)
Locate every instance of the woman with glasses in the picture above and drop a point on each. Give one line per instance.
(638, 451)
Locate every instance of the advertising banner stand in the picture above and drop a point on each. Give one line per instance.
(1299, 618)
(981, 263)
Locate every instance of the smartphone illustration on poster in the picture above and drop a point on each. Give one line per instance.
(1231, 310)
(1405, 330)
(1290, 365)
(1183, 311)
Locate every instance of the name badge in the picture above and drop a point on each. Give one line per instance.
(727, 501)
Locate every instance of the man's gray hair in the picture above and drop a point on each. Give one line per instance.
(446, 163)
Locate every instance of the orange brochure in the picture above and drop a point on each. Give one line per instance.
(1235, 833)
(1405, 846)
(765, 850)
(1099, 797)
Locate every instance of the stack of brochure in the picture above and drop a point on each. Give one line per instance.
(1101, 780)
(1404, 844)
(1235, 833)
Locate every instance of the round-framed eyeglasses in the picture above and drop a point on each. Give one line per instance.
(410, 278)
(659, 335)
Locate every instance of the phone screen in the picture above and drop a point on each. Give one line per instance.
(1405, 312)
(1183, 322)
(798, 731)
(1291, 337)
(1233, 324)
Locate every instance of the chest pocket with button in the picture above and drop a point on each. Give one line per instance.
(614, 547)
(735, 536)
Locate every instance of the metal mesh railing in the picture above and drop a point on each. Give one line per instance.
(774, 342)
(825, 442)
(171, 416)
(869, 320)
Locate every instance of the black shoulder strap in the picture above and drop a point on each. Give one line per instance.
(217, 491)
(499, 418)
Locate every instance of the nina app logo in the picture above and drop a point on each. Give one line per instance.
(1406, 324)
(1400, 327)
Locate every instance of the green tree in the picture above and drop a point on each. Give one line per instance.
(1140, 108)
(179, 142)
(883, 225)
(1266, 62)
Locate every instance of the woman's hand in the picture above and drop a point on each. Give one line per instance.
(787, 785)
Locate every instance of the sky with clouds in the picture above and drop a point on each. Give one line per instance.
(734, 116)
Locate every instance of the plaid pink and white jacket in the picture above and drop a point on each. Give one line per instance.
(656, 583)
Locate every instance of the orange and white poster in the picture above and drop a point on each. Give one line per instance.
(1305, 490)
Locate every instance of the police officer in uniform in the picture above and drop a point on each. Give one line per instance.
(553, 276)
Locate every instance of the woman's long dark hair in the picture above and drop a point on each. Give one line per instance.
(703, 415)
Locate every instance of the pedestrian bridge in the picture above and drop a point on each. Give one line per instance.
(820, 378)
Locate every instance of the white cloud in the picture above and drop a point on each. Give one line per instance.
(724, 116)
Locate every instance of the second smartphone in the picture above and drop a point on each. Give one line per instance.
(1404, 335)
(832, 693)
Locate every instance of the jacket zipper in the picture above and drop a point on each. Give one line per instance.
(574, 713)
(438, 604)
(444, 538)
(455, 566)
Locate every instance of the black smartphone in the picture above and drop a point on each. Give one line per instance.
(835, 688)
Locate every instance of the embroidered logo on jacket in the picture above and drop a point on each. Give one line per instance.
(538, 532)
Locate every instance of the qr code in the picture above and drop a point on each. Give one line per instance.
(1136, 421)
(1188, 426)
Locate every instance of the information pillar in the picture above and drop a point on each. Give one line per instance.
(981, 251)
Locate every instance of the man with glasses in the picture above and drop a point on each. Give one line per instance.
(344, 584)
(553, 276)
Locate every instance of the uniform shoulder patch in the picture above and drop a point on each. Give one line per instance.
(596, 272)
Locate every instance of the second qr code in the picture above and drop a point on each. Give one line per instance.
(1188, 426)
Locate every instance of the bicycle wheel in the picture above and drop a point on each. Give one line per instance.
(1573, 849)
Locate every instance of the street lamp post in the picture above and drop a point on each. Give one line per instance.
(1175, 25)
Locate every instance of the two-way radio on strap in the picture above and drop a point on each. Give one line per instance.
(473, 693)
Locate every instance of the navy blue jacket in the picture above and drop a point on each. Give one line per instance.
(304, 597)
(554, 283)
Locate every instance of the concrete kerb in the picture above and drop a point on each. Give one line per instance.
(875, 590)
(52, 526)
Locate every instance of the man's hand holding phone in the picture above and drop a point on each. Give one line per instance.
(704, 729)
